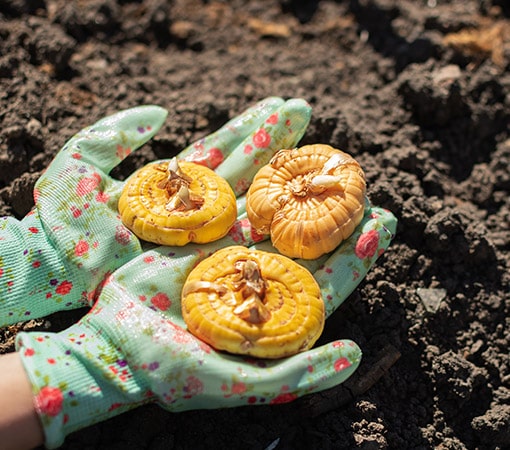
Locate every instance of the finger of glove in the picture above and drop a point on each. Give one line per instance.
(213, 149)
(346, 267)
(106, 143)
(267, 381)
(341, 271)
(145, 333)
(283, 129)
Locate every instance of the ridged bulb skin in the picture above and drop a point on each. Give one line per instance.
(308, 199)
(143, 206)
(211, 299)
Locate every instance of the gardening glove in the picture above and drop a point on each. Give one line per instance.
(132, 348)
(340, 272)
(59, 255)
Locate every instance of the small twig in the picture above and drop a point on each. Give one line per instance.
(325, 401)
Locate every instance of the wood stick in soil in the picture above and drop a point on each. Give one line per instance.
(328, 400)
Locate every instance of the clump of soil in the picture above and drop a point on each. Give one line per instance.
(416, 90)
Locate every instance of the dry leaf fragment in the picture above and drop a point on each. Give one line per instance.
(480, 43)
(269, 29)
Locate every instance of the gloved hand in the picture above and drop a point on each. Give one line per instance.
(59, 255)
(132, 348)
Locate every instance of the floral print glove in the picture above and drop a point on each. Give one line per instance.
(341, 271)
(132, 348)
(59, 255)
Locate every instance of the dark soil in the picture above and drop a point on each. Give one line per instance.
(418, 91)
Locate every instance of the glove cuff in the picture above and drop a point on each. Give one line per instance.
(74, 387)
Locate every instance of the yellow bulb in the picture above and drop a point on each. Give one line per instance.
(172, 203)
(251, 302)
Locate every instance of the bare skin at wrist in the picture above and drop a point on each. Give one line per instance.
(19, 424)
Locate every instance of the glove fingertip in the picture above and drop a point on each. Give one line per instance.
(143, 118)
(111, 139)
(299, 104)
(332, 364)
(145, 121)
(299, 107)
(155, 114)
(386, 218)
(295, 115)
(271, 100)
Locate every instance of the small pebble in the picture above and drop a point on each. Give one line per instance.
(431, 298)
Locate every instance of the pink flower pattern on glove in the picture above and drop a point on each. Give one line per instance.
(367, 244)
(49, 401)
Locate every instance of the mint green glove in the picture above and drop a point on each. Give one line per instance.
(59, 255)
(132, 348)
(55, 256)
